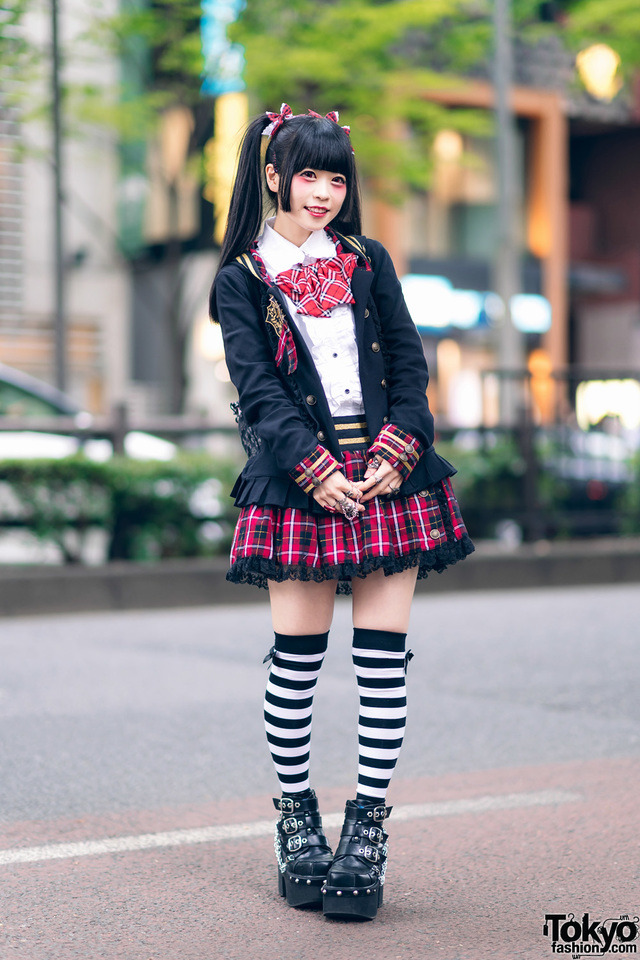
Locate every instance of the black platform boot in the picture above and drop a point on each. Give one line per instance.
(355, 882)
(303, 854)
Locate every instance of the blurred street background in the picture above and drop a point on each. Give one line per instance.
(499, 146)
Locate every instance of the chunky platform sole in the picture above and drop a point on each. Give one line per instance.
(361, 905)
(300, 891)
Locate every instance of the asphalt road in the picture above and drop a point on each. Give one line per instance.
(516, 793)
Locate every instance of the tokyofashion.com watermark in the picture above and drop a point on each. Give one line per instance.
(588, 938)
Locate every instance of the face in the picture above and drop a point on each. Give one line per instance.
(316, 199)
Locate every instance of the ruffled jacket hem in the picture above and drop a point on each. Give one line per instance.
(274, 492)
(282, 491)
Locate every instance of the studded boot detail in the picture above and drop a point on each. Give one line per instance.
(355, 883)
(302, 851)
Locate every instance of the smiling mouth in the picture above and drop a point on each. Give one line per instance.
(318, 210)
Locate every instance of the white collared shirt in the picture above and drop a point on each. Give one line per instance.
(331, 340)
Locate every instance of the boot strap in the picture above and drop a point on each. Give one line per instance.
(293, 805)
(377, 813)
(298, 843)
(290, 825)
(350, 844)
(310, 822)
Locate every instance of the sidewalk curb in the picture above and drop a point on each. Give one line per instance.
(201, 582)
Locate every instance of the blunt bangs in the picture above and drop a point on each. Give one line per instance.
(320, 144)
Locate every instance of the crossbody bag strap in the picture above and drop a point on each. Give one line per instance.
(246, 261)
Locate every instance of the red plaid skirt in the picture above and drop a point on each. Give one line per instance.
(425, 529)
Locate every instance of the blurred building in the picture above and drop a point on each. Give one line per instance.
(97, 276)
(579, 215)
(138, 248)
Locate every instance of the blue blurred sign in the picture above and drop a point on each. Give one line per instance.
(223, 60)
(435, 304)
(531, 313)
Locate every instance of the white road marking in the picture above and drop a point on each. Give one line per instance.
(260, 828)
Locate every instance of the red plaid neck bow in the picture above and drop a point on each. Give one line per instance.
(319, 287)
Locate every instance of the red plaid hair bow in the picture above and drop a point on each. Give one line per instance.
(319, 287)
(332, 115)
(277, 119)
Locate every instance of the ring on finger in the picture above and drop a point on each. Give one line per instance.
(348, 508)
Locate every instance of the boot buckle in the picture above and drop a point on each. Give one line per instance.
(370, 853)
(290, 825)
(379, 813)
(375, 834)
(294, 843)
(286, 805)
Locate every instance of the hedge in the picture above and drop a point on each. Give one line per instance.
(149, 510)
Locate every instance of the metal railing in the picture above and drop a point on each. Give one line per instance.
(553, 449)
(530, 433)
(117, 425)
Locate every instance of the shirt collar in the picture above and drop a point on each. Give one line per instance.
(280, 254)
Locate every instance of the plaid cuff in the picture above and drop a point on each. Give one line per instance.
(398, 448)
(315, 468)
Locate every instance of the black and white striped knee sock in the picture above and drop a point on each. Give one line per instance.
(288, 705)
(379, 661)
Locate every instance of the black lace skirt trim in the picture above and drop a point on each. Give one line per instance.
(257, 571)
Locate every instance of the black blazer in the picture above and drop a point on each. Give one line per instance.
(290, 413)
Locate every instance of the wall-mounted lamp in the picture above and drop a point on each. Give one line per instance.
(599, 70)
(448, 145)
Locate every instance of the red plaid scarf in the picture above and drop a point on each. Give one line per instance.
(320, 286)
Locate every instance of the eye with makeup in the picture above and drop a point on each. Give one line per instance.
(310, 175)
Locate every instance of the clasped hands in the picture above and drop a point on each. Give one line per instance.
(336, 493)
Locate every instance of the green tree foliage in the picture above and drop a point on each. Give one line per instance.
(616, 22)
(157, 42)
(20, 58)
(370, 60)
(374, 59)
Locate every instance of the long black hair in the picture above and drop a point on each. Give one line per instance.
(300, 142)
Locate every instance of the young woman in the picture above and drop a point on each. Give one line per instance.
(343, 490)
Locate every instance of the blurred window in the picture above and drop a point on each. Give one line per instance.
(456, 218)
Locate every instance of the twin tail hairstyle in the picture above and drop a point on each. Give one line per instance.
(298, 143)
